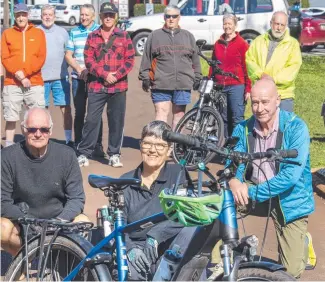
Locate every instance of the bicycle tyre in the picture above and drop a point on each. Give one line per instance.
(73, 244)
(259, 274)
(218, 131)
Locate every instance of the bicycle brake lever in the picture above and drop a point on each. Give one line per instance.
(289, 162)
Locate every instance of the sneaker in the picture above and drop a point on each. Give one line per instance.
(114, 161)
(98, 151)
(83, 161)
(312, 260)
(214, 271)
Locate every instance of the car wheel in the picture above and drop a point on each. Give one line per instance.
(139, 41)
(72, 21)
(249, 37)
(307, 48)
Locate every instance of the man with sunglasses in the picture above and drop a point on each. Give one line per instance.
(43, 174)
(109, 57)
(170, 67)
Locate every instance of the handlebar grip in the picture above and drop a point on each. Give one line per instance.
(281, 153)
(288, 153)
(170, 136)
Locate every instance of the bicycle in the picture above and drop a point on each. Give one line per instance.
(204, 119)
(111, 263)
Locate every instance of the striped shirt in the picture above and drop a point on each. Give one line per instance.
(77, 42)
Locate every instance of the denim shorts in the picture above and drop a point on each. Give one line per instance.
(60, 90)
(177, 97)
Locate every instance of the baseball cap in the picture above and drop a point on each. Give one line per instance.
(108, 8)
(20, 7)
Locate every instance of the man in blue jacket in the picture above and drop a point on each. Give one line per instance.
(289, 186)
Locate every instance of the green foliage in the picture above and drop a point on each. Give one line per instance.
(310, 94)
(140, 9)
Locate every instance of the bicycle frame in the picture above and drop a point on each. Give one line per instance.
(228, 231)
(118, 235)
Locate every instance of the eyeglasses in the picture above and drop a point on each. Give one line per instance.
(171, 16)
(43, 130)
(158, 147)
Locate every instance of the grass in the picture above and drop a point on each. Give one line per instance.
(310, 94)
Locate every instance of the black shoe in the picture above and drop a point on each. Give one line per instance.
(98, 151)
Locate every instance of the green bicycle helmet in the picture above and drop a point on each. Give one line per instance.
(191, 211)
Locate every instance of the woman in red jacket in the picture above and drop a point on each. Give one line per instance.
(230, 50)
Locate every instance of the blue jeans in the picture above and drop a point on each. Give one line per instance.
(233, 113)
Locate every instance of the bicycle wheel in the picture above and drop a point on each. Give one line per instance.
(65, 254)
(210, 124)
(258, 274)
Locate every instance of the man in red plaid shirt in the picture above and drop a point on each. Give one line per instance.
(109, 57)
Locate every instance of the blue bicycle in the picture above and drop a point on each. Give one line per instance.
(60, 253)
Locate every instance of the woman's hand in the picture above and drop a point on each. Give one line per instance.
(247, 96)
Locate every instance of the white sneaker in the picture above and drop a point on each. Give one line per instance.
(83, 161)
(114, 161)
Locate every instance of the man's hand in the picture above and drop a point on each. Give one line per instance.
(239, 191)
(111, 79)
(196, 84)
(146, 85)
(19, 75)
(139, 260)
(26, 83)
(151, 249)
(266, 76)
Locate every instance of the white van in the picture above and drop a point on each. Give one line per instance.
(254, 19)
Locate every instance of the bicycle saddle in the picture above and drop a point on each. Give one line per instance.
(101, 181)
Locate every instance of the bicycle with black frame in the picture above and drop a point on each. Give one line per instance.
(204, 119)
(57, 253)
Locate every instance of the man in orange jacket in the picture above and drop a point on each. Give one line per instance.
(23, 52)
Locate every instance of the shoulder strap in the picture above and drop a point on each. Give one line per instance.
(107, 46)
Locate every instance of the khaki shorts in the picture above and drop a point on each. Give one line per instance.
(14, 96)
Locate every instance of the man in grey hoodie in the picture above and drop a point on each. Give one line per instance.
(170, 67)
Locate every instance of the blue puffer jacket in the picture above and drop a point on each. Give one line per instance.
(292, 184)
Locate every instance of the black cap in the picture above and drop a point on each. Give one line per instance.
(108, 8)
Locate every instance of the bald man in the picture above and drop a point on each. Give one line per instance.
(41, 173)
(289, 186)
(276, 55)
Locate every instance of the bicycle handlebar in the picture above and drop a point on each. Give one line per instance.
(214, 64)
(196, 143)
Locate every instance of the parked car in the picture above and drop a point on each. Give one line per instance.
(254, 19)
(316, 12)
(35, 13)
(312, 32)
(67, 14)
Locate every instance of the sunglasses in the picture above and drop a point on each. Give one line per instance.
(171, 16)
(43, 130)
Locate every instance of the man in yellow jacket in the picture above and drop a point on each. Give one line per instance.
(276, 55)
